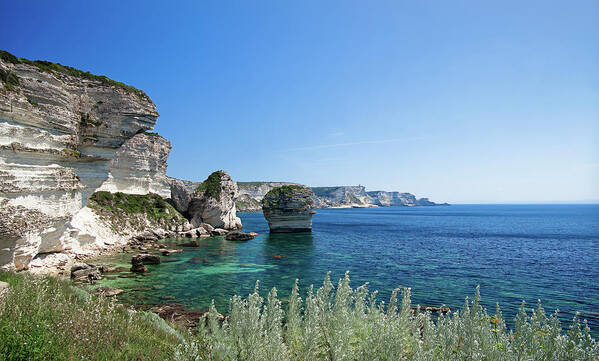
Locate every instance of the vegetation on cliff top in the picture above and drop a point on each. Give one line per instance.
(286, 193)
(44, 318)
(212, 186)
(50, 67)
(150, 205)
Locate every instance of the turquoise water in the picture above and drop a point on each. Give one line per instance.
(514, 252)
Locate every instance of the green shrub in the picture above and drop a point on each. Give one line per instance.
(48, 319)
(211, 186)
(151, 205)
(348, 324)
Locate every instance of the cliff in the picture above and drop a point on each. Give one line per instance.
(250, 194)
(64, 134)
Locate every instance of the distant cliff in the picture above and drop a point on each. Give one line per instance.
(251, 193)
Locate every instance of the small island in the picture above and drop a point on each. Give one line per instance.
(289, 209)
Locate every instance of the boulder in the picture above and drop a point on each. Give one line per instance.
(85, 271)
(159, 233)
(3, 286)
(168, 252)
(207, 227)
(238, 236)
(218, 232)
(146, 236)
(289, 208)
(213, 202)
(145, 258)
(202, 231)
(109, 292)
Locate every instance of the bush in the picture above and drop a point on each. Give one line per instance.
(211, 186)
(48, 319)
(348, 324)
(50, 67)
(150, 205)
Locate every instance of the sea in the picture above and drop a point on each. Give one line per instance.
(515, 253)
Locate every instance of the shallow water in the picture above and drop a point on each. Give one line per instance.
(514, 252)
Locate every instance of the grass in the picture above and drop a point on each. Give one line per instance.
(49, 319)
(50, 67)
(150, 205)
(44, 318)
(211, 187)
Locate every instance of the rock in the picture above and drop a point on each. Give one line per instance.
(138, 268)
(146, 236)
(207, 227)
(190, 244)
(181, 315)
(83, 270)
(79, 266)
(3, 287)
(202, 231)
(109, 292)
(213, 202)
(145, 258)
(168, 252)
(181, 193)
(238, 236)
(159, 233)
(253, 234)
(187, 226)
(289, 209)
(218, 232)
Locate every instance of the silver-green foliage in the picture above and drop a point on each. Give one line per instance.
(348, 324)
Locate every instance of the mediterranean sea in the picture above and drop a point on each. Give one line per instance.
(514, 252)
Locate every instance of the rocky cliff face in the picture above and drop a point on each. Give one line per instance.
(61, 138)
(342, 197)
(289, 209)
(213, 202)
(250, 194)
(386, 199)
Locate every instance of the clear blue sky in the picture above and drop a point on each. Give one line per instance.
(460, 101)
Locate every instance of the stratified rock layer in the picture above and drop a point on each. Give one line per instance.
(61, 138)
(213, 202)
(289, 209)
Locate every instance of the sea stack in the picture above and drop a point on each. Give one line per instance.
(213, 202)
(289, 209)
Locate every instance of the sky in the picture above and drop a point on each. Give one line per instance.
(459, 101)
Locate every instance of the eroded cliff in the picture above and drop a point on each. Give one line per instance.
(65, 134)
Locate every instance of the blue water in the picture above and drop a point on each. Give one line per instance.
(514, 252)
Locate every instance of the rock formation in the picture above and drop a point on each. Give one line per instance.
(62, 133)
(250, 194)
(289, 209)
(213, 202)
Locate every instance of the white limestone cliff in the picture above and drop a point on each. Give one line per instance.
(64, 134)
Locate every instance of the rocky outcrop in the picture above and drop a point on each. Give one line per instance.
(139, 166)
(181, 192)
(64, 134)
(213, 202)
(289, 209)
(250, 194)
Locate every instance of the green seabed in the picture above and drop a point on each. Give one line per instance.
(215, 270)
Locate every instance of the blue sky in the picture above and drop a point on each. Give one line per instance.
(459, 101)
